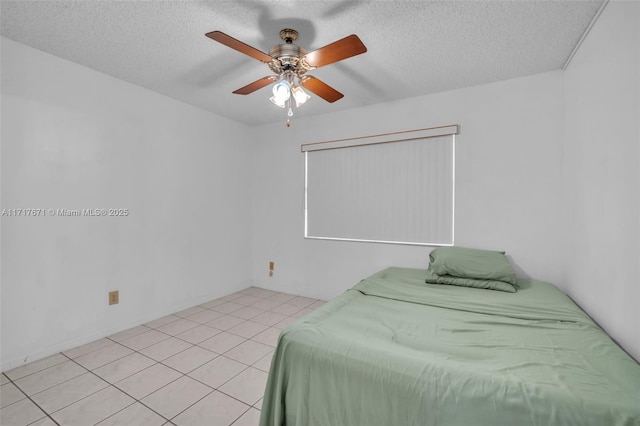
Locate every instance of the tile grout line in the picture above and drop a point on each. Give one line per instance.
(35, 372)
(130, 396)
(249, 409)
(32, 401)
(244, 412)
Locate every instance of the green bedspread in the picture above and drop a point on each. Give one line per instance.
(395, 351)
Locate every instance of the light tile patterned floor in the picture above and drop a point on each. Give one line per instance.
(206, 365)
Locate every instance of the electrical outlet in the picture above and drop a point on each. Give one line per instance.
(272, 266)
(114, 298)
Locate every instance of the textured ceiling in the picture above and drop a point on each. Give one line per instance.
(414, 47)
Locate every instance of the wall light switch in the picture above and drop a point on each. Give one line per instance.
(114, 298)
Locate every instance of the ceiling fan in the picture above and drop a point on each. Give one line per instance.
(290, 64)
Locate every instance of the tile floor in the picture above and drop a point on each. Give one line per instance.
(206, 365)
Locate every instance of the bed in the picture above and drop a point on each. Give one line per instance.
(395, 351)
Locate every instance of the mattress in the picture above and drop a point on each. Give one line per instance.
(396, 351)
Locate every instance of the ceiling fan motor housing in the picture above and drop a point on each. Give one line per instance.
(287, 57)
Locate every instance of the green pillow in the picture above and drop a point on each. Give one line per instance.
(432, 278)
(472, 263)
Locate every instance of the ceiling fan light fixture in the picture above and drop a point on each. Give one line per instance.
(300, 96)
(281, 92)
(277, 102)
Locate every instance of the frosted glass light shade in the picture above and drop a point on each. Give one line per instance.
(300, 96)
(281, 93)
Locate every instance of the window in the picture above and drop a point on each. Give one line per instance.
(393, 188)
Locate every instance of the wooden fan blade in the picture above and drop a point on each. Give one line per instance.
(241, 47)
(336, 51)
(258, 84)
(320, 88)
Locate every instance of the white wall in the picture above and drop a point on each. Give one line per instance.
(73, 138)
(508, 191)
(602, 183)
